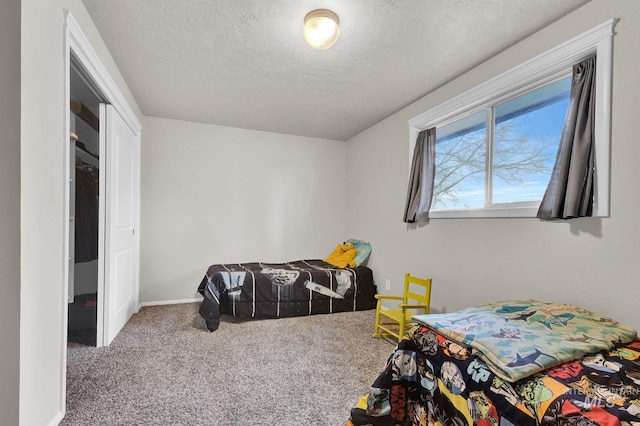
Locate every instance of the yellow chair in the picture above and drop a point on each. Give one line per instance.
(416, 297)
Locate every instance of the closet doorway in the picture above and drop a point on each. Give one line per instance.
(104, 199)
(94, 106)
(84, 209)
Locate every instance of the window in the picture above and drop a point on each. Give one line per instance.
(502, 155)
(496, 144)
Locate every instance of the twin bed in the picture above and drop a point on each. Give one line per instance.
(274, 290)
(513, 363)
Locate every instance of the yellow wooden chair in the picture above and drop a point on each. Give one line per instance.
(414, 301)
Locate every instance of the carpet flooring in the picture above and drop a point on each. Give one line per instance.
(165, 368)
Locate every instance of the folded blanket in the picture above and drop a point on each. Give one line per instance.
(517, 338)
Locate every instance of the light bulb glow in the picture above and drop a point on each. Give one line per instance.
(321, 30)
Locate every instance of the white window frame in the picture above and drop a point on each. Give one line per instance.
(539, 71)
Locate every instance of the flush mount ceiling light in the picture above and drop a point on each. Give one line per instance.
(321, 30)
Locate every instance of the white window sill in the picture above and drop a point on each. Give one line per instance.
(517, 212)
(497, 212)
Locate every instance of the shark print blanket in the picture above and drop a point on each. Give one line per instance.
(275, 290)
(429, 380)
(518, 338)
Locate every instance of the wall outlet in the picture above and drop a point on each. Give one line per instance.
(387, 284)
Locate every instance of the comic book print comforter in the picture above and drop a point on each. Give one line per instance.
(431, 380)
(273, 290)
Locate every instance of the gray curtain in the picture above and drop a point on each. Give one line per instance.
(423, 171)
(570, 190)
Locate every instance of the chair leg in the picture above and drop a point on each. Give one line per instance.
(403, 326)
(377, 325)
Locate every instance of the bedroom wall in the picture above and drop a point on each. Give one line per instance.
(42, 286)
(10, 210)
(41, 213)
(591, 262)
(213, 194)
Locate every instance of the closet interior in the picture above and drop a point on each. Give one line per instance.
(84, 141)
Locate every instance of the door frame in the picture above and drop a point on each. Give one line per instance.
(77, 43)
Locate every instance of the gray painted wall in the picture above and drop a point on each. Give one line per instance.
(215, 194)
(10, 210)
(590, 262)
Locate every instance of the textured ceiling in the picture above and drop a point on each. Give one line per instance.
(243, 63)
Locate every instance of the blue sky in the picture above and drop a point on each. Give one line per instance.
(543, 121)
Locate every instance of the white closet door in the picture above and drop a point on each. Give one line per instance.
(121, 220)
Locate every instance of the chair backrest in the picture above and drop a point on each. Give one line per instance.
(418, 290)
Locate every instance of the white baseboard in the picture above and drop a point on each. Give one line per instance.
(170, 302)
(57, 419)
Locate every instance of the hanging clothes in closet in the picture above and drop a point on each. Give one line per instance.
(86, 216)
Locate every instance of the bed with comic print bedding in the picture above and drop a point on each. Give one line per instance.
(275, 290)
(517, 362)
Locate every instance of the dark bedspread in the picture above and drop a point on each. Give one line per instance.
(429, 380)
(273, 290)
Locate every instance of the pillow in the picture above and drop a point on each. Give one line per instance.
(364, 250)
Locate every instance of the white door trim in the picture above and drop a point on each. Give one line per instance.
(75, 41)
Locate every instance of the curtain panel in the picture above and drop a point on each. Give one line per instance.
(571, 187)
(421, 178)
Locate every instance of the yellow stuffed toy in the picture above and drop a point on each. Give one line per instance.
(344, 255)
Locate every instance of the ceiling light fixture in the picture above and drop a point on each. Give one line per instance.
(321, 30)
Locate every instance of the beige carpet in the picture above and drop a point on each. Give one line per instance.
(165, 368)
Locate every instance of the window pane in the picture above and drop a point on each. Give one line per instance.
(526, 137)
(460, 163)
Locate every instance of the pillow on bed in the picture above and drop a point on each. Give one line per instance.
(364, 250)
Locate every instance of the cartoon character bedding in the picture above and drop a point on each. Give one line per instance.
(272, 290)
(509, 363)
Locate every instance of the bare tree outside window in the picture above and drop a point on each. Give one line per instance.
(526, 134)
